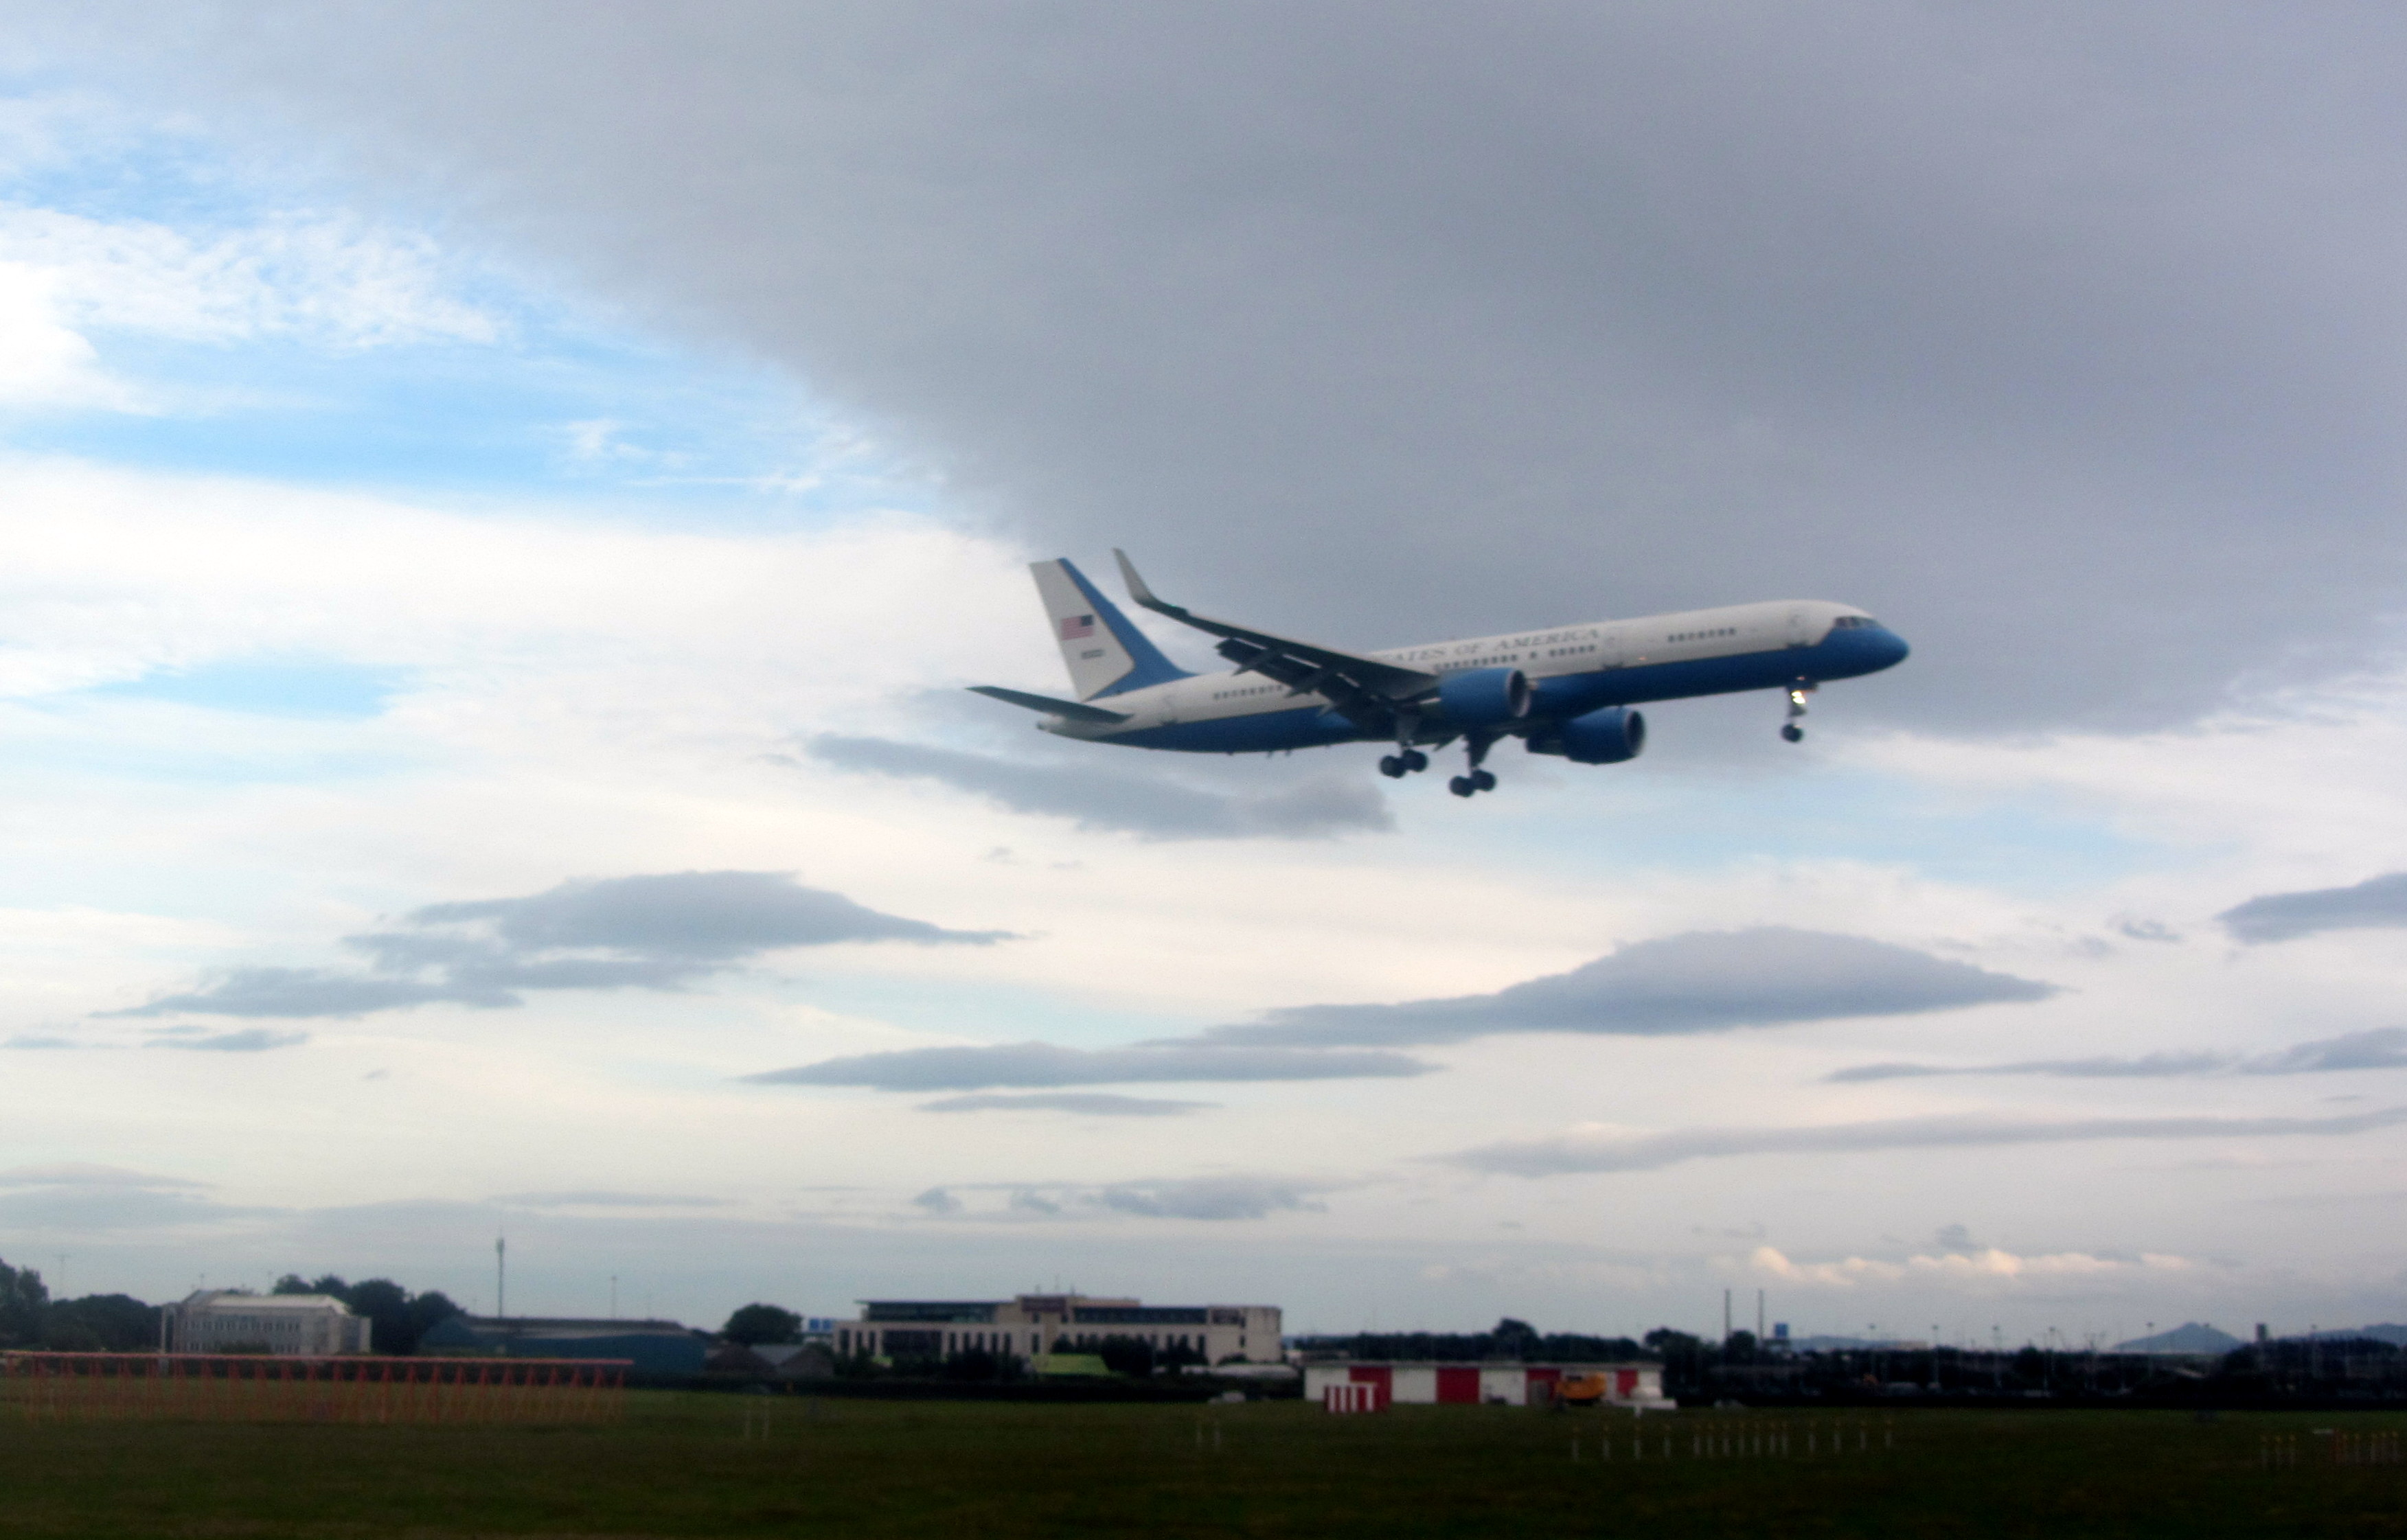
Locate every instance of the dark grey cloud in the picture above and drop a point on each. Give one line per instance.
(1210, 1197)
(2382, 1048)
(1147, 806)
(77, 1210)
(603, 1198)
(654, 932)
(80, 1174)
(2377, 903)
(1049, 1064)
(1383, 320)
(246, 1040)
(1568, 1154)
(1701, 981)
(1091, 1104)
(72, 1196)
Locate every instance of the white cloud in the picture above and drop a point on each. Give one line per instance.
(1988, 1266)
(332, 280)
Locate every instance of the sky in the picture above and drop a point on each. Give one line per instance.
(502, 502)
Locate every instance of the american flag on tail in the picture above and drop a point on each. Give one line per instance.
(1075, 626)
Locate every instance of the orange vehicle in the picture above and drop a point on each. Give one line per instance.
(1581, 1390)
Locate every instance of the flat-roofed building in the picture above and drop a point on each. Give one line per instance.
(231, 1320)
(1035, 1325)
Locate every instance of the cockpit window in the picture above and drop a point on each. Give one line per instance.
(1853, 622)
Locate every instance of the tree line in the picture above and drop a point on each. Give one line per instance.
(1509, 1341)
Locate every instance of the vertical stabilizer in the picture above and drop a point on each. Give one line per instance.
(1105, 655)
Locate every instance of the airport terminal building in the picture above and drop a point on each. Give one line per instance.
(1035, 1325)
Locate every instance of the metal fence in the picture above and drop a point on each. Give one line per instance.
(248, 1388)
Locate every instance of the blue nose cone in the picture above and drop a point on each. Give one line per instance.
(1889, 648)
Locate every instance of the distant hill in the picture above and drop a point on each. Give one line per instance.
(2387, 1331)
(2188, 1337)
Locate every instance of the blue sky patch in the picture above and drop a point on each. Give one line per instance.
(268, 689)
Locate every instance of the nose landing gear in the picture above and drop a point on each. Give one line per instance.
(1796, 693)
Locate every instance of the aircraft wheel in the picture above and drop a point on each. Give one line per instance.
(1415, 759)
(1484, 781)
(1392, 767)
(1461, 786)
(1793, 733)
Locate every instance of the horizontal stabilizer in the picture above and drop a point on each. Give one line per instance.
(1074, 710)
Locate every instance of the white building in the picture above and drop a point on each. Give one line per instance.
(1636, 1385)
(229, 1321)
(1035, 1325)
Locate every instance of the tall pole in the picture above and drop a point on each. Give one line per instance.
(501, 1280)
(1725, 1318)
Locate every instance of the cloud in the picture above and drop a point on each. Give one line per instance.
(1590, 1151)
(1046, 1064)
(1149, 805)
(1087, 1103)
(1957, 1264)
(1701, 982)
(657, 932)
(1209, 1197)
(73, 1196)
(2382, 1048)
(77, 1173)
(247, 1040)
(604, 1199)
(39, 1040)
(1507, 320)
(2377, 903)
(937, 1201)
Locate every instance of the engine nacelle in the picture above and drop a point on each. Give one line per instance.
(1606, 736)
(1484, 697)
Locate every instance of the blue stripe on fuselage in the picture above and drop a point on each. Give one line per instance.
(1309, 727)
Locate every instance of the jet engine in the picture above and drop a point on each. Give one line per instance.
(1484, 697)
(1606, 736)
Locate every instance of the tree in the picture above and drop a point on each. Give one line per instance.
(101, 1323)
(385, 1303)
(755, 1324)
(290, 1283)
(23, 1301)
(1514, 1338)
(1131, 1356)
(426, 1312)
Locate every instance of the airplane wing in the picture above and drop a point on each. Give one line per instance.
(1362, 688)
(1074, 710)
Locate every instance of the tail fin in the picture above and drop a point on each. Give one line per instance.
(1105, 655)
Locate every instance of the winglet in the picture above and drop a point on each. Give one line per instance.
(1137, 589)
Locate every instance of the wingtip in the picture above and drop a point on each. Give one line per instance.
(1136, 585)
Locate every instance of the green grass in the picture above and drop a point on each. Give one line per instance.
(682, 1465)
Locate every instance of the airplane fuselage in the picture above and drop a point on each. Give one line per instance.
(1572, 670)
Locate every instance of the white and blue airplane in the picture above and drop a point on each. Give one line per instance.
(1565, 690)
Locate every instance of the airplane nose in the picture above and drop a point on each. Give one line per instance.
(1893, 649)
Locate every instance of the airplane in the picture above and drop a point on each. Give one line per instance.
(1565, 690)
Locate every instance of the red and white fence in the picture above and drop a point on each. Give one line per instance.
(247, 1388)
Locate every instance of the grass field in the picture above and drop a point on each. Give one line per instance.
(690, 1464)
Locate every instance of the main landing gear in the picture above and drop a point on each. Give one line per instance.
(1397, 766)
(1478, 780)
(1796, 693)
